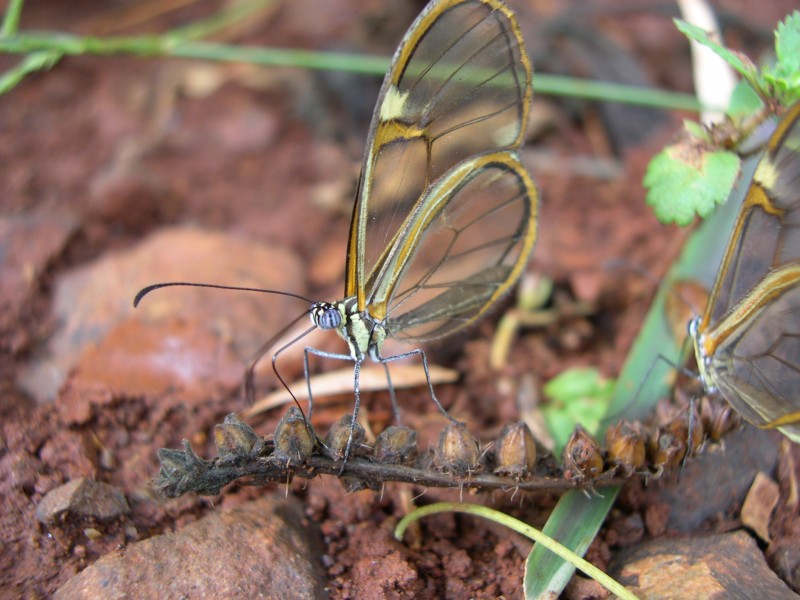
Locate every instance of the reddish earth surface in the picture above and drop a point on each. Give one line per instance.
(118, 172)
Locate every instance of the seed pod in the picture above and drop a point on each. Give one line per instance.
(339, 435)
(457, 451)
(234, 438)
(515, 451)
(294, 439)
(718, 418)
(625, 448)
(680, 429)
(582, 456)
(396, 445)
(665, 451)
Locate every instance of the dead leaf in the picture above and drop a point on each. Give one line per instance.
(372, 378)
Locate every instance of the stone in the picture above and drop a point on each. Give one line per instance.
(261, 549)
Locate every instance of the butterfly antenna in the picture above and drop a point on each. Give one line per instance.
(144, 291)
(249, 386)
(280, 377)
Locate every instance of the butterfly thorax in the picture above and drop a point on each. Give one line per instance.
(364, 334)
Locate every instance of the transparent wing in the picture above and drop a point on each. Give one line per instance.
(767, 230)
(459, 86)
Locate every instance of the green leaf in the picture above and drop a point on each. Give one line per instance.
(784, 76)
(744, 101)
(578, 383)
(574, 522)
(11, 18)
(695, 130)
(35, 61)
(577, 396)
(787, 43)
(541, 540)
(737, 61)
(683, 181)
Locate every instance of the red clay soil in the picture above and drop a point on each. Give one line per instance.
(120, 171)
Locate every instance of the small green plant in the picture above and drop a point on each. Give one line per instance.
(705, 162)
(577, 396)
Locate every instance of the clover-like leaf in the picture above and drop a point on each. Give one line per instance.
(684, 180)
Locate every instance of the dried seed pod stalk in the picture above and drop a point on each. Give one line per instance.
(515, 452)
(665, 451)
(718, 418)
(682, 426)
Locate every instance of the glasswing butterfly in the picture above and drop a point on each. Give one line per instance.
(445, 213)
(747, 342)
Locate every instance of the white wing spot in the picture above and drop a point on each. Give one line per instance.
(766, 174)
(506, 135)
(394, 104)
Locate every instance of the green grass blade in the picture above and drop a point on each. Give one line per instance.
(31, 63)
(546, 574)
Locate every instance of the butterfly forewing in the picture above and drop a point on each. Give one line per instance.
(458, 87)
(750, 332)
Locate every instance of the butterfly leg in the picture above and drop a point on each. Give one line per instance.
(392, 395)
(356, 391)
(308, 382)
(418, 352)
(307, 374)
(356, 406)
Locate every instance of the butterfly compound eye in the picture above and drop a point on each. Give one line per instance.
(326, 315)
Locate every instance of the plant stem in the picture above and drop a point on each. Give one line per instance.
(176, 44)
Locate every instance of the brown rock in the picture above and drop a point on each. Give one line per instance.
(717, 566)
(82, 499)
(262, 549)
(70, 453)
(138, 358)
(90, 301)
